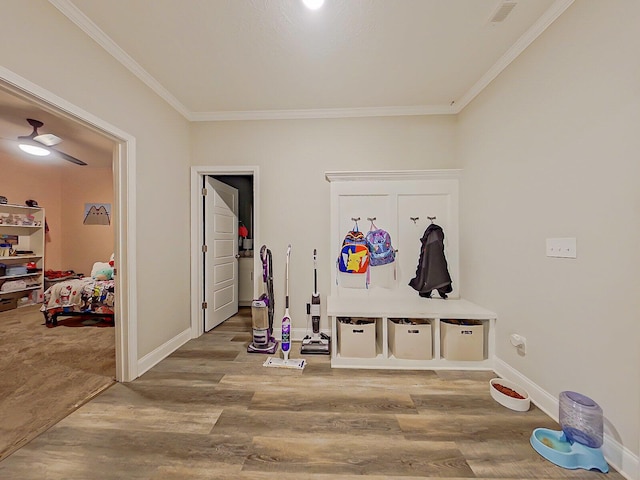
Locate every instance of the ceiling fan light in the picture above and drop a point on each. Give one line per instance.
(48, 139)
(34, 150)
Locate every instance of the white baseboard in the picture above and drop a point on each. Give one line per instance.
(618, 456)
(163, 351)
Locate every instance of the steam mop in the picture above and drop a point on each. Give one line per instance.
(262, 311)
(317, 343)
(286, 320)
(285, 343)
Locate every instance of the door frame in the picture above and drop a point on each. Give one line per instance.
(124, 215)
(197, 232)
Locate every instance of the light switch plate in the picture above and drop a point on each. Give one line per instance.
(562, 247)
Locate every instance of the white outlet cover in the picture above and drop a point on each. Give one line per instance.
(562, 247)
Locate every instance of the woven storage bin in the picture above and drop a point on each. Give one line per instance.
(357, 337)
(462, 340)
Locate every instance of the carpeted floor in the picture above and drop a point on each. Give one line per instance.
(47, 373)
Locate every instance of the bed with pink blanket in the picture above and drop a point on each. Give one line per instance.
(78, 297)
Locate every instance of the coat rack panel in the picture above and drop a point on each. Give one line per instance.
(401, 205)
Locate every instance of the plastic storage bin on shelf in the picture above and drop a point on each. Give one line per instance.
(462, 340)
(410, 338)
(16, 270)
(357, 337)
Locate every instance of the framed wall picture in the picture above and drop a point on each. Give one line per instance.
(97, 214)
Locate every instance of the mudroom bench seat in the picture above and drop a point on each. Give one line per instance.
(410, 332)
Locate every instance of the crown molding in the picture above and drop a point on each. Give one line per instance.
(74, 14)
(322, 113)
(547, 18)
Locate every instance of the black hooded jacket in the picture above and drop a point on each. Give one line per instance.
(432, 272)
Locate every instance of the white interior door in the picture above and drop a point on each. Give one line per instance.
(221, 261)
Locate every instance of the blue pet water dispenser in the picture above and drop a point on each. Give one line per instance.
(578, 444)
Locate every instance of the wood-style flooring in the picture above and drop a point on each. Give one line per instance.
(212, 411)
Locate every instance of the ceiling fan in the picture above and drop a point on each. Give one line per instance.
(38, 144)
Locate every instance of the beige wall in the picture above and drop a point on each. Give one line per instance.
(550, 149)
(82, 245)
(62, 191)
(294, 194)
(78, 70)
(31, 178)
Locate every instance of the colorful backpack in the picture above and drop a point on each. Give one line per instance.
(379, 243)
(354, 255)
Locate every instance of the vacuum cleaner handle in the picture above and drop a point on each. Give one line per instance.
(315, 272)
(287, 276)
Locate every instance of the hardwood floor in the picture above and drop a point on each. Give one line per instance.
(212, 411)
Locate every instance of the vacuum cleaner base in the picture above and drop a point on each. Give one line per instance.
(269, 348)
(318, 344)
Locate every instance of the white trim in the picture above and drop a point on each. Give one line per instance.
(323, 113)
(151, 359)
(352, 176)
(618, 456)
(126, 345)
(197, 231)
(74, 14)
(550, 16)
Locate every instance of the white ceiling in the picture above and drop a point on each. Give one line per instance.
(238, 59)
(257, 59)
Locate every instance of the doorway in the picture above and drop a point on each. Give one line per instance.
(123, 210)
(246, 181)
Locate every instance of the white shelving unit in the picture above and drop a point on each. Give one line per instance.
(27, 224)
(382, 309)
(403, 203)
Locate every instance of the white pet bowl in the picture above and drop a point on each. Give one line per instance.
(517, 404)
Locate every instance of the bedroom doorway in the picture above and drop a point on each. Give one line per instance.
(123, 164)
(245, 180)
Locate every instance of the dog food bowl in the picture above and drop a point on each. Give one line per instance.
(517, 404)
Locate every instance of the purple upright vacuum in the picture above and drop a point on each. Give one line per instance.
(262, 311)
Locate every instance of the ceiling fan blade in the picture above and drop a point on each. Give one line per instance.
(28, 137)
(67, 157)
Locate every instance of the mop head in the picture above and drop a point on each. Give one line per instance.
(296, 363)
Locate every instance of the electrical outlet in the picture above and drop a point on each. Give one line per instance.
(519, 342)
(562, 247)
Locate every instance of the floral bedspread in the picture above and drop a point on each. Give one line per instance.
(79, 295)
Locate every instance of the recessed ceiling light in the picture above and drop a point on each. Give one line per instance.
(34, 150)
(313, 4)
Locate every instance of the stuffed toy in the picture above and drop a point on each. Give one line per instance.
(103, 274)
(103, 270)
